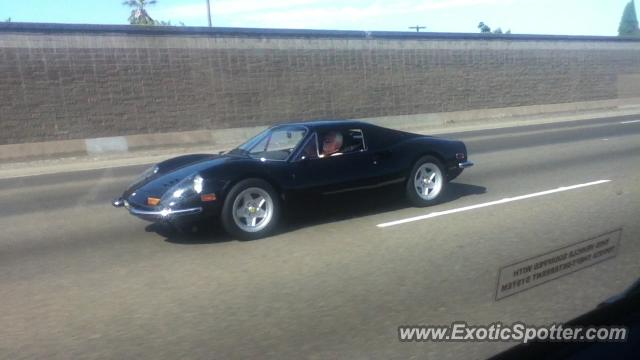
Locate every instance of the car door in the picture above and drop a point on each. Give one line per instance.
(351, 168)
(392, 157)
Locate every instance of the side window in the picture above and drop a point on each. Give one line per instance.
(310, 149)
(354, 141)
(339, 142)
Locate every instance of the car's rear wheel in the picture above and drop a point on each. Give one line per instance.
(427, 182)
(251, 209)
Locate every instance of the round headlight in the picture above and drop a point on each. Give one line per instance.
(178, 193)
(187, 188)
(198, 181)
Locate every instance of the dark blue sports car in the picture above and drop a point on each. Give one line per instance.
(246, 186)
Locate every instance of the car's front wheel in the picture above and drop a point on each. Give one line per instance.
(251, 209)
(427, 182)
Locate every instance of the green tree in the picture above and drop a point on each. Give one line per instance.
(8, 20)
(484, 28)
(629, 22)
(139, 14)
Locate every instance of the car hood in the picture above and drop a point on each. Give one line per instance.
(172, 171)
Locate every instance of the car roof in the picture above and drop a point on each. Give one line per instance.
(326, 124)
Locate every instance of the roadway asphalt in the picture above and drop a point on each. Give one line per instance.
(81, 279)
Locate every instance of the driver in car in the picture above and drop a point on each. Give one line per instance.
(331, 143)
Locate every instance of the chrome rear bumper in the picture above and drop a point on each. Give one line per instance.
(465, 164)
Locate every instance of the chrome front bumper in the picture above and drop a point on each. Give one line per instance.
(156, 215)
(165, 213)
(465, 164)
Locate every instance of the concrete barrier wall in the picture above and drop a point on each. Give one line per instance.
(62, 82)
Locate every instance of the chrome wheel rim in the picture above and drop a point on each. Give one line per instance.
(252, 209)
(428, 181)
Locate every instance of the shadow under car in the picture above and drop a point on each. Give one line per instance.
(314, 210)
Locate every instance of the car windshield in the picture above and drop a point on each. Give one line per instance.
(273, 144)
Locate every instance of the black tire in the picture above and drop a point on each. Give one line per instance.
(434, 197)
(234, 225)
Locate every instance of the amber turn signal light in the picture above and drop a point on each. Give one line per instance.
(208, 197)
(152, 201)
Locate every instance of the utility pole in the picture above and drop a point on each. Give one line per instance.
(417, 27)
(209, 12)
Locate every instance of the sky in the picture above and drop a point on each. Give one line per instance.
(560, 17)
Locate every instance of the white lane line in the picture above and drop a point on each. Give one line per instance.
(630, 122)
(491, 203)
